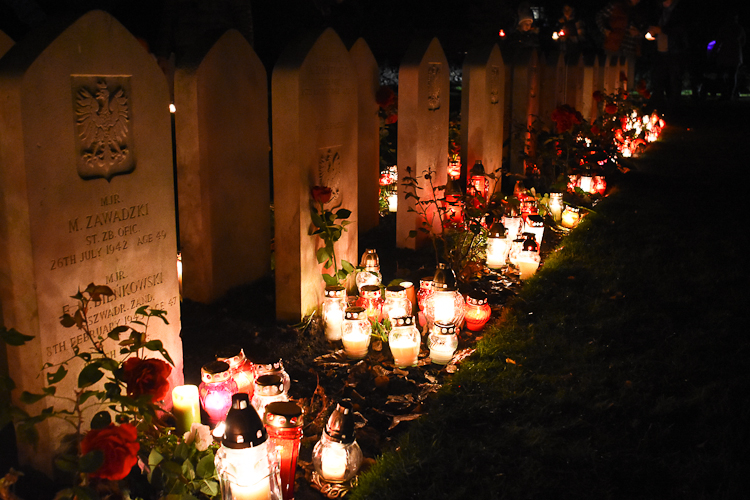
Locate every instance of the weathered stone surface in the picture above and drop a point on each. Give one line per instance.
(223, 176)
(524, 104)
(5, 43)
(482, 110)
(314, 108)
(86, 195)
(368, 82)
(423, 99)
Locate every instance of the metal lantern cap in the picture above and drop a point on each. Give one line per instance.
(497, 230)
(355, 312)
(215, 371)
(268, 365)
(370, 260)
(335, 291)
(476, 298)
(283, 414)
(535, 220)
(269, 385)
(340, 425)
(395, 291)
(444, 328)
(444, 278)
(477, 168)
(402, 321)
(529, 243)
(370, 291)
(244, 428)
(453, 188)
(231, 356)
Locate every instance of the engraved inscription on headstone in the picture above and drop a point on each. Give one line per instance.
(103, 141)
(496, 74)
(433, 86)
(329, 170)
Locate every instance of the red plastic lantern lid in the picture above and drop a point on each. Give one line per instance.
(283, 414)
(214, 372)
(370, 291)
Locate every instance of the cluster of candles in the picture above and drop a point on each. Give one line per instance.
(259, 428)
(636, 131)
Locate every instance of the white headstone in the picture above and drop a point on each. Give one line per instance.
(87, 194)
(524, 105)
(223, 177)
(423, 115)
(368, 82)
(482, 109)
(314, 109)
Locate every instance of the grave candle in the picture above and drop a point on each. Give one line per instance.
(266, 367)
(411, 294)
(185, 407)
(478, 180)
(528, 258)
(283, 421)
(216, 390)
(404, 340)
(240, 369)
(447, 303)
(370, 298)
(534, 224)
(556, 206)
(337, 456)
(498, 246)
(268, 389)
(333, 311)
(371, 274)
(396, 304)
(512, 222)
(570, 217)
(442, 342)
(478, 311)
(355, 332)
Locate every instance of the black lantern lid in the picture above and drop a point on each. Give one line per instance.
(402, 321)
(453, 188)
(477, 169)
(497, 230)
(443, 328)
(283, 414)
(269, 385)
(476, 297)
(244, 429)
(396, 290)
(340, 425)
(355, 313)
(535, 220)
(444, 279)
(215, 371)
(335, 291)
(529, 243)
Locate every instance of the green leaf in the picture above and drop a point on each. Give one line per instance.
(67, 320)
(348, 267)
(182, 451)
(330, 280)
(343, 213)
(210, 488)
(53, 378)
(142, 311)
(90, 375)
(154, 458)
(316, 219)
(101, 420)
(187, 470)
(66, 464)
(322, 255)
(116, 331)
(86, 395)
(91, 461)
(13, 337)
(30, 398)
(154, 345)
(206, 468)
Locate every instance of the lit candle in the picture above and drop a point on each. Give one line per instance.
(333, 463)
(528, 263)
(404, 340)
(570, 217)
(556, 205)
(442, 343)
(185, 407)
(258, 491)
(355, 332)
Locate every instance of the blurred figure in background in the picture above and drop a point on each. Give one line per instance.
(671, 32)
(728, 49)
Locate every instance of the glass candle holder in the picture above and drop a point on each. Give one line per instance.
(411, 294)
(425, 290)
(283, 421)
(396, 303)
(337, 457)
(334, 304)
(216, 390)
(371, 299)
(276, 367)
(498, 246)
(240, 369)
(556, 206)
(404, 340)
(528, 263)
(512, 222)
(477, 183)
(185, 407)
(355, 332)
(571, 216)
(442, 342)
(477, 311)
(446, 304)
(534, 224)
(268, 389)
(370, 275)
(244, 465)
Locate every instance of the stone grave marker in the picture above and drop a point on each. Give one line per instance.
(574, 83)
(423, 95)
(552, 83)
(611, 81)
(87, 195)
(6, 43)
(368, 82)
(314, 114)
(223, 176)
(524, 105)
(482, 110)
(588, 87)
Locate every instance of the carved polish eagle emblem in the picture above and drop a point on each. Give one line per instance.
(103, 134)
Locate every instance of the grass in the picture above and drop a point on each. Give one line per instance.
(618, 372)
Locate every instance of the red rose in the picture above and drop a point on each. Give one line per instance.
(146, 376)
(392, 118)
(321, 194)
(598, 96)
(120, 447)
(610, 109)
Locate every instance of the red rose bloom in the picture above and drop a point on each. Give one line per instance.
(610, 109)
(146, 376)
(321, 194)
(120, 447)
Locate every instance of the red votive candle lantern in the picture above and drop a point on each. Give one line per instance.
(283, 421)
(477, 311)
(216, 390)
(240, 369)
(371, 298)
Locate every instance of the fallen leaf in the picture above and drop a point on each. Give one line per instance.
(508, 360)
(403, 418)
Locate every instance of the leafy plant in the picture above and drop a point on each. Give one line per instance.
(330, 231)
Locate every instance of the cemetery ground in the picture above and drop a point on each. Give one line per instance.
(619, 371)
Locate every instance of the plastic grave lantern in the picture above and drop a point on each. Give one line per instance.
(268, 389)
(477, 311)
(396, 302)
(370, 275)
(355, 332)
(446, 304)
(371, 299)
(404, 340)
(240, 369)
(283, 421)
(498, 246)
(216, 390)
(477, 183)
(334, 304)
(534, 224)
(337, 456)
(556, 206)
(442, 342)
(528, 258)
(274, 367)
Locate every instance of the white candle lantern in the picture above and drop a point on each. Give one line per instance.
(396, 303)
(556, 206)
(512, 223)
(333, 311)
(528, 258)
(498, 246)
(446, 304)
(371, 270)
(240, 369)
(534, 224)
(246, 469)
(268, 389)
(355, 332)
(276, 367)
(404, 340)
(570, 217)
(515, 248)
(586, 183)
(442, 342)
(337, 457)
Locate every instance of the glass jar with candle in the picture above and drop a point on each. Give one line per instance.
(446, 304)
(371, 299)
(534, 224)
(425, 290)
(512, 222)
(528, 258)
(442, 342)
(240, 369)
(396, 303)
(275, 367)
(337, 457)
(268, 389)
(283, 421)
(246, 469)
(498, 246)
(355, 332)
(411, 294)
(516, 247)
(477, 311)
(556, 206)
(404, 340)
(216, 390)
(570, 217)
(370, 275)
(334, 304)
(185, 407)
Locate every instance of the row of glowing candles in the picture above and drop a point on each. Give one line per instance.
(260, 429)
